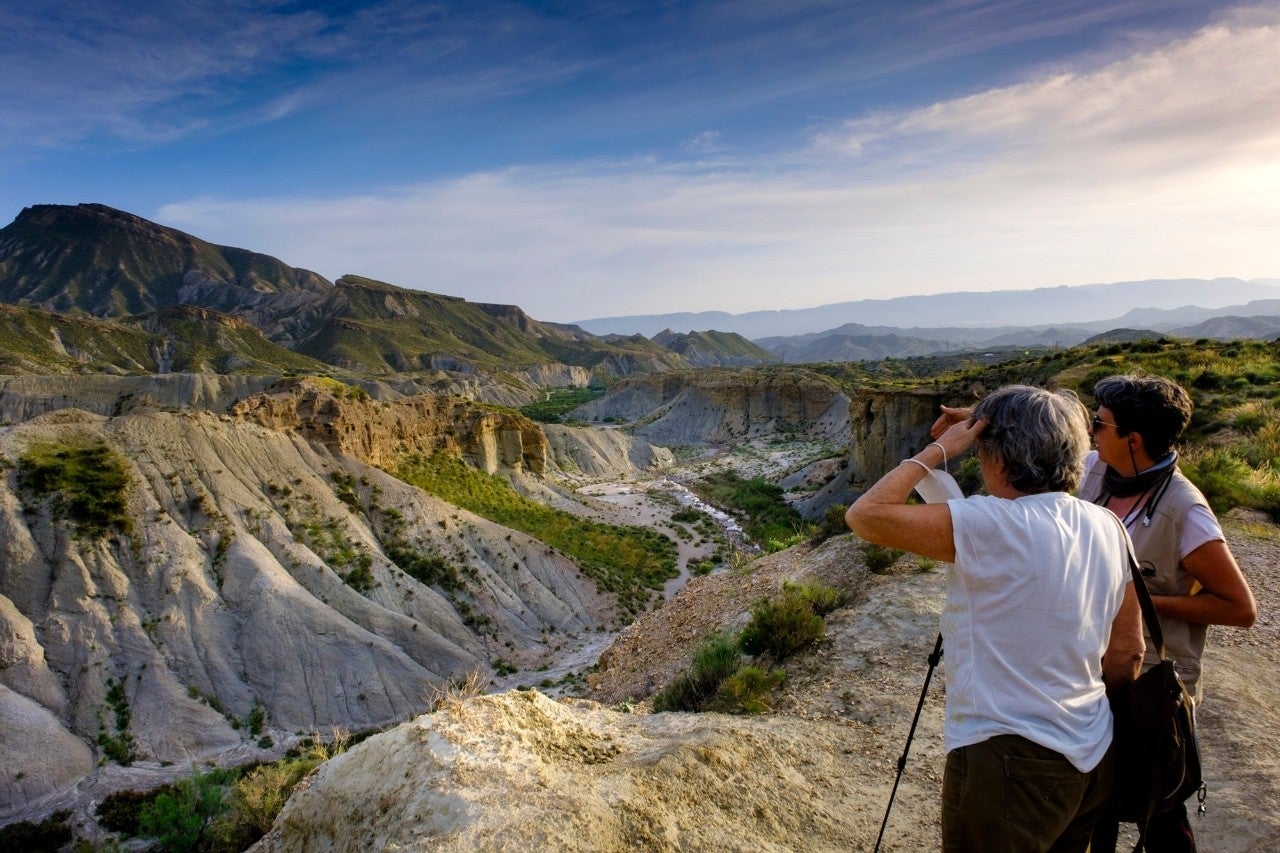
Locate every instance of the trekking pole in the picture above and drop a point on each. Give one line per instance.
(902, 762)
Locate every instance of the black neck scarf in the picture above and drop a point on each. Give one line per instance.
(1120, 486)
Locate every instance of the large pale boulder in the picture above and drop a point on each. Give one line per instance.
(520, 771)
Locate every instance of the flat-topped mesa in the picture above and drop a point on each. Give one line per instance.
(379, 433)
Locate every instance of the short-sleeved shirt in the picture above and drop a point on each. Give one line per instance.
(1032, 595)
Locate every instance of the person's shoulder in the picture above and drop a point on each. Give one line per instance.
(1184, 494)
(1097, 514)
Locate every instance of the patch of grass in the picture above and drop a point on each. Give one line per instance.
(717, 678)
(632, 562)
(84, 482)
(330, 542)
(717, 658)
(1228, 481)
(767, 518)
(744, 692)
(558, 402)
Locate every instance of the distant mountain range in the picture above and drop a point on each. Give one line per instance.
(1130, 303)
(854, 342)
(88, 288)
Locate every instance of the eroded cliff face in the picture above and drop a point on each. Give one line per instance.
(722, 406)
(885, 427)
(249, 581)
(379, 433)
(25, 397)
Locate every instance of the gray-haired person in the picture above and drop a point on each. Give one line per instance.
(1039, 617)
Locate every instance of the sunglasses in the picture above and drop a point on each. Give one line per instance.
(1098, 424)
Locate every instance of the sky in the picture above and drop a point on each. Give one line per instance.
(597, 158)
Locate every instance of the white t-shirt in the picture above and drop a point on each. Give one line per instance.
(1036, 584)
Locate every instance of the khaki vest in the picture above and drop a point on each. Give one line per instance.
(1156, 546)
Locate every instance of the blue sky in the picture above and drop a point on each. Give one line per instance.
(603, 158)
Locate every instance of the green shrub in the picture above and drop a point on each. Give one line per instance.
(84, 481)
(1208, 380)
(178, 818)
(744, 691)
(702, 567)
(47, 836)
(833, 523)
(256, 720)
(879, 558)
(689, 515)
(715, 660)
(119, 747)
(781, 626)
(360, 578)
(121, 811)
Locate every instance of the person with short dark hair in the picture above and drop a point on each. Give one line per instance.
(1040, 616)
(1193, 578)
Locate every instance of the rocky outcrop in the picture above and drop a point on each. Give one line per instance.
(379, 433)
(519, 771)
(602, 454)
(886, 427)
(724, 405)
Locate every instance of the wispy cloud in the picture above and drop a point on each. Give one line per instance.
(1210, 98)
(71, 69)
(1159, 164)
(151, 73)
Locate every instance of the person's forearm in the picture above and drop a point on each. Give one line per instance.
(1123, 658)
(894, 488)
(1205, 608)
(883, 516)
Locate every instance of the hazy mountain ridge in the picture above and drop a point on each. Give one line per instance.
(856, 342)
(714, 349)
(1090, 303)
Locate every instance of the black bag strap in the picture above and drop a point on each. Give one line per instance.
(1149, 616)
